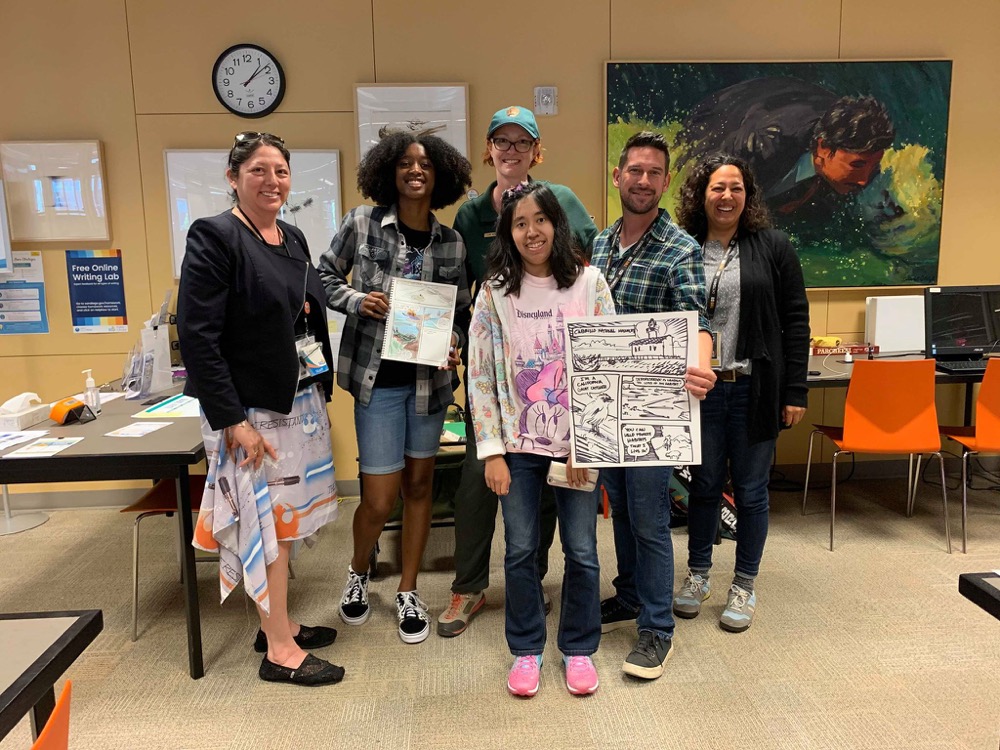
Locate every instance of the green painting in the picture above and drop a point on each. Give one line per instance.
(850, 155)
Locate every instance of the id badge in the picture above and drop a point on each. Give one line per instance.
(311, 359)
(716, 356)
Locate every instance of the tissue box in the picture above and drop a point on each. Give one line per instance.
(22, 420)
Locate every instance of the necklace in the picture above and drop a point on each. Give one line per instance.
(281, 235)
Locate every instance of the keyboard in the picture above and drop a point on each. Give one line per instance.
(963, 366)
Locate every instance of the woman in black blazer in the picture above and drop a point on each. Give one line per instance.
(253, 335)
(759, 315)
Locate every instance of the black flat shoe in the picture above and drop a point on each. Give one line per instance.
(311, 672)
(308, 638)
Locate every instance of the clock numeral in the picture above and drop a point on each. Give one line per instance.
(267, 69)
(230, 71)
(229, 93)
(249, 103)
(261, 100)
(270, 93)
(225, 81)
(247, 57)
(271, 80)
(239, 101)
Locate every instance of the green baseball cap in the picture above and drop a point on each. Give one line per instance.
(516, 116)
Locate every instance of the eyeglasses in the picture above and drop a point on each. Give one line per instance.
(522, 146)
(249, 136)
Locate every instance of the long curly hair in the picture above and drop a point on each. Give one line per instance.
(691, 211)
(503, 261)
(377, 170)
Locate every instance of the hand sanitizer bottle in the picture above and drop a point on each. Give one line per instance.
(91, 396)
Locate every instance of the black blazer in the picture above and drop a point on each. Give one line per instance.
(774, 329)
(236, 318)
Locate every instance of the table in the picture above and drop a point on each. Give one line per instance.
(36, 648)
(167, 453)
(833, 373)
(982, 589)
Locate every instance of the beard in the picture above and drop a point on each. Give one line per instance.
(639, 204)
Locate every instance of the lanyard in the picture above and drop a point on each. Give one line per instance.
(713, 292)
(624, 263)
(260, 234)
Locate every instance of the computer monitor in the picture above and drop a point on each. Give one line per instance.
(962, 322)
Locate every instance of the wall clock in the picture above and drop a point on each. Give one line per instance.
(248, 80)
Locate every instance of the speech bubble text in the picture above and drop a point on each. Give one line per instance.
(640, 381)
(587, 385)
(636, 438)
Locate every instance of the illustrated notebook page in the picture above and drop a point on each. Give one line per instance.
(419, 324)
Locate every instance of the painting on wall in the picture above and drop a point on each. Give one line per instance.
(418, 109)
(55, 191)
(850, 155)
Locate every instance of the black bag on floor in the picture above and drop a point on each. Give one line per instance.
(680, 485)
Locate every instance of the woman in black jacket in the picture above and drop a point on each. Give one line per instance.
(760, 326)
(253, 335)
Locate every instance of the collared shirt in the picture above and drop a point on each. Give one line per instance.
(666, 276)
(804, 169)
(368, 247)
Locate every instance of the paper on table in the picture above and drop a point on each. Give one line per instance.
(7, 439)
(137, 429)
(44, 447)
(175, 406)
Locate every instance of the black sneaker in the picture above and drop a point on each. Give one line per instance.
(354, 609)
(411, 612)
(649, 655)
(616, 615)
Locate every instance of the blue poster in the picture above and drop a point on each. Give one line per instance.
(96, 291)
(22, 295)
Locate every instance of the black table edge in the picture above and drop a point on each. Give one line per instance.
(974, 588)
(22, 695)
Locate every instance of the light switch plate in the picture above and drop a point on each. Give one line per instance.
(546, 100)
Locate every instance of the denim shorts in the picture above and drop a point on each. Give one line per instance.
(389, 429)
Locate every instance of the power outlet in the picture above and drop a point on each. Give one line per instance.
(546, 100)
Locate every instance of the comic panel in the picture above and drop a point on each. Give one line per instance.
(654, 398)
(648, 345)
(662, 444)
(594, 405)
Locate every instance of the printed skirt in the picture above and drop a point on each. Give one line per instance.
(245, 513)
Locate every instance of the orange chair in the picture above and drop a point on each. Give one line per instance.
(889, 409)
(55, 733)
(160, 500)
(984, 436)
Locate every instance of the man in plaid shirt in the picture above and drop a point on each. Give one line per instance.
(652, 265)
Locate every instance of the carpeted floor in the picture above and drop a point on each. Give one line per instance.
(870, 646)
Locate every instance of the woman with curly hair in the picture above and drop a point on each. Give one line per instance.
(759, 316)
(520, 411)
(399, 407)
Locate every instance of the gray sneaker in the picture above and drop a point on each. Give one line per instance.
(694, 590)
(738, 614)
(649, 655)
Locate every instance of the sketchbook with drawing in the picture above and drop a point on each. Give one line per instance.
(419, 323)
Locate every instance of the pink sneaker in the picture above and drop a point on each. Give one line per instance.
(524, 675)
(581, 675)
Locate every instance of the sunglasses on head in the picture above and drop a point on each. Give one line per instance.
(249, 137)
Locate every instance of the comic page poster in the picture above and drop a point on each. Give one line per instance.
(626, 390)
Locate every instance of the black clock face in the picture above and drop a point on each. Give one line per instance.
(248, 80)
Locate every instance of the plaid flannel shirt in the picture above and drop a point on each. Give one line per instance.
(667, 277)
(370, 248)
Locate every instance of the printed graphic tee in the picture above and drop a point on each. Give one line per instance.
(537, 362)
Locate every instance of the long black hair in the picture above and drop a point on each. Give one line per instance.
(503, 261)
(691, 211)
(377, 170)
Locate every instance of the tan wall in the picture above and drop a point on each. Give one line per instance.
(135, 75)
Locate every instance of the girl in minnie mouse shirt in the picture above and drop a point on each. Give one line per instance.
(520, 411)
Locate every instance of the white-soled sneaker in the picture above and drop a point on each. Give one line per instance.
(740, 606)
(411, 612)
(354, 609)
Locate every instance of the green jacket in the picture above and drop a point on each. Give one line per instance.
(476, 221)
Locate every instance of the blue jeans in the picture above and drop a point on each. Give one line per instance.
(640, 515)
(580, 613)
(389, 429)
(724, 445)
